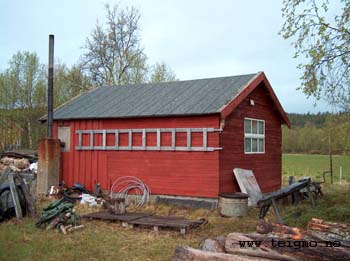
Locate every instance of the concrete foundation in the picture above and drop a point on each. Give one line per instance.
(49, 157)
(190, 202)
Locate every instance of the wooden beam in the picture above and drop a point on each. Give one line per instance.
(14, 194)
(188, 139)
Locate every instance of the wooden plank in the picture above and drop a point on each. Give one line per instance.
(144, 139)
(130, 140)
(166, 222)
(173, 139)
(104, 139)
(14, 194)
(277, 212)
(248, 184)
(106, 215)
(158, 139)
(116, 133)
(205, 139)
(283, 192)
(28, 197)
(91, 140)
(188, 139)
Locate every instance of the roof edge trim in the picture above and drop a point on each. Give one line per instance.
(247, 89)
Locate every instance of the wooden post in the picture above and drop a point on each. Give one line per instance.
(310, 195)
(277, 213)
(331, 165)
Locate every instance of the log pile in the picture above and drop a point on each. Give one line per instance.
(321, 241)
(330, 231)
(14, 164)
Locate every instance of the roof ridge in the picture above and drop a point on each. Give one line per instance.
(178, 81)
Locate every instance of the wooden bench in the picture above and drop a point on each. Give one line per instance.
(270, 199)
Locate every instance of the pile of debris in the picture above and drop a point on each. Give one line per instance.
(15, 197)
(321, 241)
(59, 215)
(78, 193)
(18, 162)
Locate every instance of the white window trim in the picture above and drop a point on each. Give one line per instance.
(256, 136)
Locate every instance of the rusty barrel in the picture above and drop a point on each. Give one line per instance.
(233, 204)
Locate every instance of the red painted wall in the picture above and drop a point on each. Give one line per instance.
(266, 167)
(165, 172)
(197, 174)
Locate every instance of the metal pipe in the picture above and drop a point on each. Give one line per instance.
(50, 87)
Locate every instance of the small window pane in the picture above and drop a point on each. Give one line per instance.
(254, 127)
(247, 126)
(261, 145)
(247, 145)
(254, 145)
(260, 127)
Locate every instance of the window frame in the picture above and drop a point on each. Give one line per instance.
(252, 136)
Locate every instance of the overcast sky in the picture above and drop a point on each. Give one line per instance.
(196, 38)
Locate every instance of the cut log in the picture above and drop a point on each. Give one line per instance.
(282, 249)
(21, 163)
(192, 254)
(260, 247)
(330, 231)
(281, 231)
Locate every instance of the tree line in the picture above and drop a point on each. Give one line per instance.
(112, 55)
(321, 133)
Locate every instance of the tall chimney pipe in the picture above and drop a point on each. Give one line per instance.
(50, 87)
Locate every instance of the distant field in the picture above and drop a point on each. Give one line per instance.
(301, 165)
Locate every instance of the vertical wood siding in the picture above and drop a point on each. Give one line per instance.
(165, 172)
(267, 166)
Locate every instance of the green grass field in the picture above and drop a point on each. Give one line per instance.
(21, 240)
(301, 165)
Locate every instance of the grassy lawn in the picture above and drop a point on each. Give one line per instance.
(20, 240)
(301, 165)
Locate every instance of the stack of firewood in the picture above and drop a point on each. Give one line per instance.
(321, 241)
(14, 164)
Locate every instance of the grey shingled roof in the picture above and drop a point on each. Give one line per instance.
(204, 96)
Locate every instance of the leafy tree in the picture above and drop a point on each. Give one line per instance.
(162, 73)
(25, 81)
(113, 54)
(321, 40)
(23, 84)
(68, 83)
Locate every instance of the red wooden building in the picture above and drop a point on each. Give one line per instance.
(180, 138)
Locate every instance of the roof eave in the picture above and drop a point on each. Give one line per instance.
(135, 116)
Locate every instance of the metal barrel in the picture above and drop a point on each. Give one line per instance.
(233, 204)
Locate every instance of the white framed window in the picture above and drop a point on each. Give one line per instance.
(254, 136)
